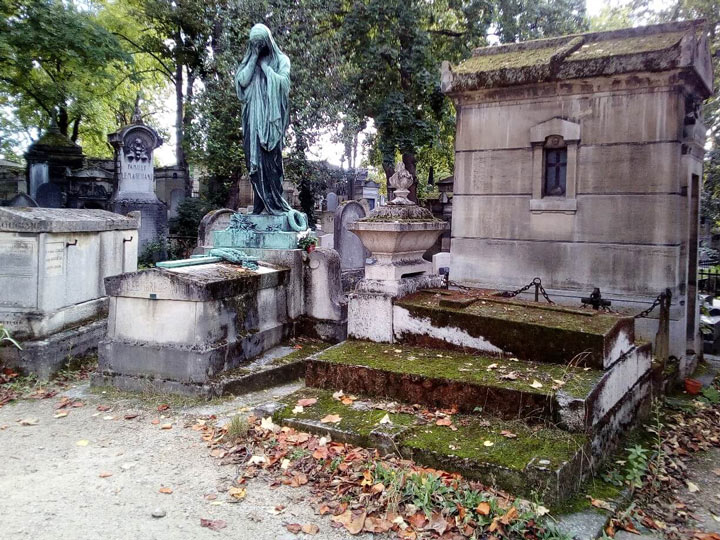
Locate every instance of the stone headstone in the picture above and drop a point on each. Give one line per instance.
(39, 175)
(331, 200)
(349, 246)
(215, 220)
(134, 146)
(49, 195)
(23, 200)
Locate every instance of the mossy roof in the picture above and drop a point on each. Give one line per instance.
(457, 366)
(651, 48)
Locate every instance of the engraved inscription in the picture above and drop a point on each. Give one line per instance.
(55, 259)
(18, 256)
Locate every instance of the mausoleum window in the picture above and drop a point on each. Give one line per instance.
(555, 175)
(555, 145)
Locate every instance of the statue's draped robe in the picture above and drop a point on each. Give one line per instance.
(265, 119)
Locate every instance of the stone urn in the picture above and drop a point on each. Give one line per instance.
(398, 234)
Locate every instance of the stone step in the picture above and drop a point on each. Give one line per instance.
(572, 398)
(533, 331)
(537, 461)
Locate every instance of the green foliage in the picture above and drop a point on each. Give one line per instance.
(152, 252)
(6, 337)
(57, 62)
(189, 214)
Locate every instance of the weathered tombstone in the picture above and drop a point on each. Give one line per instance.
(39, 175)
(349, 246)
(52, 296)
(331, 200)
(134, 146)
(22, 200)
(215, 220)
(49, 195)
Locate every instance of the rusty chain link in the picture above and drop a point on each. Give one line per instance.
(536, 282)
(658, 300)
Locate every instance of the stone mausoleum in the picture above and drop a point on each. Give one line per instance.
(579, 160)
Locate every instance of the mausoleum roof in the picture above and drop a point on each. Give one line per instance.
(56, 220)
(660, 47)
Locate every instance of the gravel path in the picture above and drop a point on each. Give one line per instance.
(51, 485)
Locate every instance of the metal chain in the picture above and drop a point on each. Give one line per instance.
(656, 303)
(536, 282)
(544, 293)
(509, 294)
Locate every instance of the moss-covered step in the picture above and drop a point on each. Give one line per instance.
(539, 462)
(508, 388)
(526, 460)
(359, 422)
(573, 398)
(283, 363)
(527, 330)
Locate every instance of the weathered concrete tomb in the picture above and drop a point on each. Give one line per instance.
(52, 293)
(579, 160)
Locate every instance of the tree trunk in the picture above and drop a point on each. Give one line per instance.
(76, 129)
(63, 120)
(410, 163)
(179, 153)
(389, 170)
(187, 119)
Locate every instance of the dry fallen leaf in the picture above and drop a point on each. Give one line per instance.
(338, 395)
(61, 414)
(536, 384)
(298, 409)
(29, 422)
(508, 434)
(267, 424)
(483, 509)
(488, 443)
(237, 493)
(512, 376)
(385, 420)
(692, 488)
(444, 421)
(82, 442)
(105, 474)
(213, 524)
(307, 402)
(166, 426)
(599, 503)
(330, 419)
(310, 528)
(294, 528)
(165, 490)
(354, 523)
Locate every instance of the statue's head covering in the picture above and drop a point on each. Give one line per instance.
(260, 32)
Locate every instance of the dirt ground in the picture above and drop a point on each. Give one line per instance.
(97, 475)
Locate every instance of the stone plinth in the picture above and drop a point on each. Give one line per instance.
(262, 231)
(174, 329)
(52, 293)
(397, 235)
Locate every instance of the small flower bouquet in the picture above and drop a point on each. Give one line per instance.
(307, 241)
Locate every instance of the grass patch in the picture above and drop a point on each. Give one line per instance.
(308, 348)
